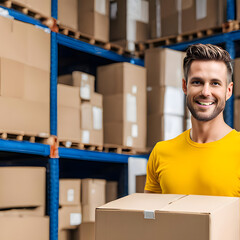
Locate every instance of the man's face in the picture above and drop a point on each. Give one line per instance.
(207, 89)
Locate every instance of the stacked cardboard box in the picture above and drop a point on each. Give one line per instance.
(24, 78)
(89, 17)
(129, 22)
(123, 86)
(237, 94)
(154, 216)
(111, 191)
(22, 203)
(175, 16)
(80, 109)
(165, 98)
(140, 183)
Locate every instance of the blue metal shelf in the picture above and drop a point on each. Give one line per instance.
(94, 50)
(95, 156)
(24, 147)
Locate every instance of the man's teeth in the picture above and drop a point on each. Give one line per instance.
(205, 103)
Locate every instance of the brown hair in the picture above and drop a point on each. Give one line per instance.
(207, 52)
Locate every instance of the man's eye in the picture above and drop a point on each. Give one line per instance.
(196, 82)
(215, 84)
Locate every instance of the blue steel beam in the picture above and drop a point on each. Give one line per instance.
(94, 50)
(54, 9)
(231, 9)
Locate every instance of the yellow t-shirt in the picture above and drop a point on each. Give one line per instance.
(181, 166)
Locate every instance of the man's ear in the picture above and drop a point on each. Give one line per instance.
(184, 86)
(229, 90)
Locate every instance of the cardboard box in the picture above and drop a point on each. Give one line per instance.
(92, 137)
(68, 13)
(66, 79)
(69, 192)
(22, 187)
(236, 76)
(163, 127)
(237, 114)
(69, 217)
(165, 100)
(97, 99)
(69, 123)
(93, 196)
(111, 191)
(169, 216)
(160, 64)
(25, 43)
(93, 18)
(19, 80)
(27, 228)
(65, 235)
(86, 82)
(68, 96)
(32, 117)
(86, 231)
(25, 211)
(140, 183)
(126, 124)
(129, 22)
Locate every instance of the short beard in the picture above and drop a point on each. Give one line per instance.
(197, 116)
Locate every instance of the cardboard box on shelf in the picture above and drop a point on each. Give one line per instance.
(111, 191)
(140, 183)
(25, 227)
(66, 79)
(93, 18)
(169, 216)
(68, 13)
(69, 123)
(28, 117)
(165, 100)
(160, 64)
(97, 99)
(22, 187)
(163, 127)
(69, 192)
(85, 231)
(25, 211)
(92, 137)
(65, 235)
(68, 96)
(69, 217)
(93, 196)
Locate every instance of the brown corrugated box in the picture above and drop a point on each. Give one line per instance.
(163, 127)
(65, 235)
(140, 183)
(160, 64)
(68, 13)
(25, 211)
(94, 137)
(69, 192)
(93, 18)
(32, 117)
(123, 85)
(170, 216)
(69, 217)
(22, 187)
(93, 196)
(111, 191)
(85, 231)
(27, 228)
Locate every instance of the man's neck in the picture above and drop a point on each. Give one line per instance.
(210, 131)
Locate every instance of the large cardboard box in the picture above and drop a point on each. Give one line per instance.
(111, 191)
(25, 43)
(165, 100)
(92, 137)
(175, 217)
(24, 228)
(129, 22)
(69, 217)
(23, 116)
(93, 196)
(163, 127)
(69, 192)
(123, 85)
(22, 187)
(93, 18)
(85, 231)
(19, 80)
(160, 64)
(68, 13)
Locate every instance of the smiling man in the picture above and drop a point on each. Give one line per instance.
(204, 160)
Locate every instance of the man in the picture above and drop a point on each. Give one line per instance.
(204, 160)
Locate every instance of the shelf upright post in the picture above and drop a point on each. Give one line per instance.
(54, 9)
(229, 109)
(231, 8)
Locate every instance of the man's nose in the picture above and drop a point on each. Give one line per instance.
(206, 90)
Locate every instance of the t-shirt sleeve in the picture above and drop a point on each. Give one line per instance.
(152, 182)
